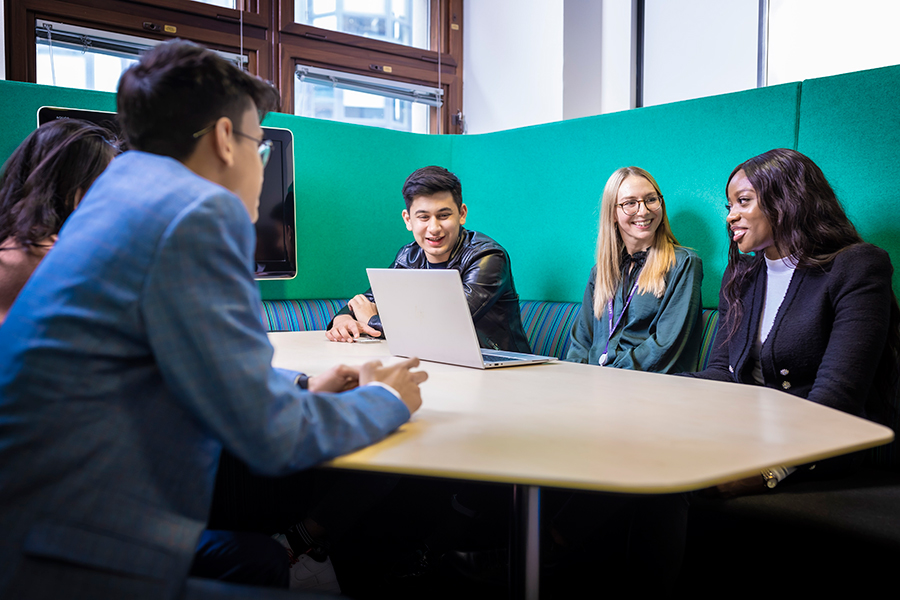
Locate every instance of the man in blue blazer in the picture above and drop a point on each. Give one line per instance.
(135, 353)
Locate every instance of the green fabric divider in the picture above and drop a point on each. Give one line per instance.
(850, 126)
(534, 189)
(19, 103)
(348, 182)
(537, 190)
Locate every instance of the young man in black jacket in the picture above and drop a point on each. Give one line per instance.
(435, 214)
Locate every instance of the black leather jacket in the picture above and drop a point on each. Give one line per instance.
(488, 283)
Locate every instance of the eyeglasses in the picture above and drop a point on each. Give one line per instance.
(264, 147)
(630, 207)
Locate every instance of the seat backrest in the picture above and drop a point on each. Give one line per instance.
(299, 315)
(548, 325)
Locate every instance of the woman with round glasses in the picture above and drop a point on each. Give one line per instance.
(806, 307)
(640, 311)
(642, 302)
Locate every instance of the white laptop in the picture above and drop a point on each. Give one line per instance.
(424, 313)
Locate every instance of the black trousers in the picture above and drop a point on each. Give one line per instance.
(241, 557)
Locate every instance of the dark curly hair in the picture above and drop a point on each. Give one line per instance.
(40, 180)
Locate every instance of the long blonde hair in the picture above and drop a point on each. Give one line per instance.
(660, 258)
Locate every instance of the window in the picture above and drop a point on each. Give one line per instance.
(222, 3)
(410, 45)
(697, 48)
(70, 56)
(399, 21)
(829, 37)
(338, 96)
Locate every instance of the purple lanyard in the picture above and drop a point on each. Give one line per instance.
(612, 326)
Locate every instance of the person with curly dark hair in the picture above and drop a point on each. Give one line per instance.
(805, 305)
(42, 183)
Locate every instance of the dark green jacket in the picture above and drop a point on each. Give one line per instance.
(660, 335)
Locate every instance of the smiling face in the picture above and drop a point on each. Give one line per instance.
(435, 221)
(637, 230)
(750, 228)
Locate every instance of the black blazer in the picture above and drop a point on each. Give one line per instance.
(828, 343)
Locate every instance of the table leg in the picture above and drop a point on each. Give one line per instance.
(524, 543)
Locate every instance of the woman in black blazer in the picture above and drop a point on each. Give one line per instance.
(805, 306)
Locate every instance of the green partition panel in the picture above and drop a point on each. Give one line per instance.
(347, 184)
(19, 103)
(850, 126)
(537, 189)
(348, 181)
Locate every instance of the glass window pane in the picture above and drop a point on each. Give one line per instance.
(828, 37)
(325, 102)
(369, 7)
(79, 68)
(403, 22)
(222, 3)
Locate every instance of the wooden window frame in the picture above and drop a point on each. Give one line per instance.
(316, 47)
(273, 43)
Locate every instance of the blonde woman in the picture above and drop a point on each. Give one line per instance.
(640, 311)
(642, 302)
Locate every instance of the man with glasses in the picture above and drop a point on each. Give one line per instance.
(136, 353)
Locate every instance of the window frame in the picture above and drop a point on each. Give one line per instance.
(313, 46)
(272, 42)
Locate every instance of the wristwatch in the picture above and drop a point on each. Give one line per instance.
(769, 478)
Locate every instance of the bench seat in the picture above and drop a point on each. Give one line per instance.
(547, 324)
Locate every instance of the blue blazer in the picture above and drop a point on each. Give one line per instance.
(133, 354)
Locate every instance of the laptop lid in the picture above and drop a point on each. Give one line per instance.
(425, 314)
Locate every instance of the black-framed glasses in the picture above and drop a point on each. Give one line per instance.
(630, 207)
(264, 147)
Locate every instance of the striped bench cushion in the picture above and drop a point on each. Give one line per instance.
(709, 321)
(299, 315)
(548, 325)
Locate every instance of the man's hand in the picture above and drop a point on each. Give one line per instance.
(336, 379)
(345, 328)
(362, 308)
(399, 377)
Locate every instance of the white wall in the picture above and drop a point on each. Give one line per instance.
(617, 56)
(598, 57)
(582, 50)
(825, 37)
(696, 48)
(576, 57)
(513, 67)
(531, 61)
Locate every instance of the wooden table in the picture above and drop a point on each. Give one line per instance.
(585, 427)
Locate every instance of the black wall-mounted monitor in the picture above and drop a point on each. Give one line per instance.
(276, 240)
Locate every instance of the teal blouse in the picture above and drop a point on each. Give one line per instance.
(660, 335)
